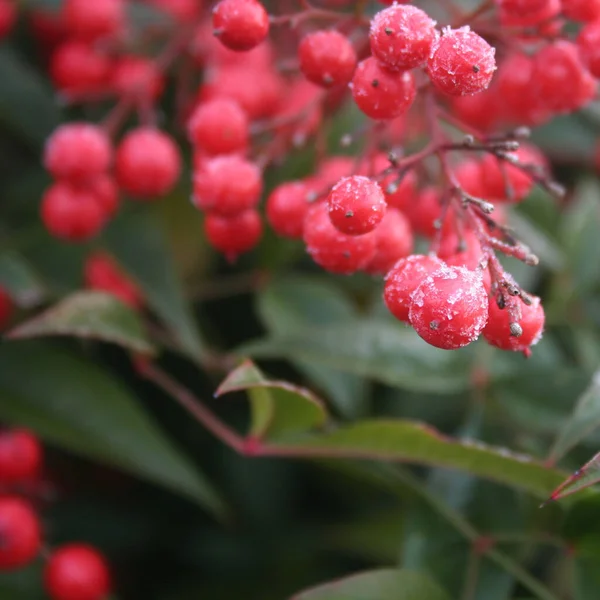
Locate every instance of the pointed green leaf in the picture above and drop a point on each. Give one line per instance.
(381, 584)
(410, 441)
(139, 244)
(383, 350)
(74, 404)
(583, 421)
(91, 315)
(278, 407)
(584, 477)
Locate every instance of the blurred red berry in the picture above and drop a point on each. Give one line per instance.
(233, 235)
(90, 20)
(240, 24)
(137, 77)
(286, 208)
(8, 16)
(20, 533)
(20, 455)
(6, 307)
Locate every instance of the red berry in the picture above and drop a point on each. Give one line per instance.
(525, 13)
(401, 37)
(137, 77)
(286, 208)
(240, 24)
(356, 205)
(148, 163)
(404, 278)
(101, 272)
(77, 572)
(233, 235)
(6, 307)
(381, 94)
(394, 240)
(503, 181)
(227, 185)
(481, 111)
(104, 189)
(449, 309)
(425, 210)
(77, 151)
(333, 250)
(71, 213)
(8, 16)
(562, 81)
(259, 92)
(470, 177)
(219, 126)
(529, 318)
(400, 194)
(327, 58)
(460, 250)
(20, 533)
(78, 68)
(461, 63)
(89, 20)
(588, 42)
(581, 10)
(20, 455)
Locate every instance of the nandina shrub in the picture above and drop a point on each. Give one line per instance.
(241, 233)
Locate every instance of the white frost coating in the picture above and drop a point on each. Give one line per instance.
(449, 309)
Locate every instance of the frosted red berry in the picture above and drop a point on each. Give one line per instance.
(148, 163)
(461, 63)
(394, 240)
(404, 278)
(71, 213)
(8, 16)
(327, 58)
(333, 250)
(102, 273)
(562, 81)
(286, 208)
(240, 24)
(530, 320)
(78, 68)
(137, 77)
(219, 126)
(449, 309)
(588, 42)
(382, 94)
(356, 205)
(77, 151)
(89, 20)
(20, 456)
(77, 572)
(233, 235)
(20, 533)
(227, 185)
(401, 37)
(6, 307)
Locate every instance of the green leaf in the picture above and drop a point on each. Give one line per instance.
(292, 304)
(139, 244)
(382, 584)
(74, 404)
(278, 407)
(18, 277)
(583, 421)
(582, 478)
(409, 441)
(27, 104)
(90, 315)
(383, 350)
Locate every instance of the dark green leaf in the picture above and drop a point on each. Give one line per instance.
(278, 408)
(292, 304)
(74, 404)
(27, 103)
(383, 584)
(90, 315)
(382, 350)
(139, 244)
(18, 277)
(414, 442)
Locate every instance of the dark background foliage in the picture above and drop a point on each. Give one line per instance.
(132, 472)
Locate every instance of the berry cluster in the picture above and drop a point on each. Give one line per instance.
(267, 84)
(73, 571)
